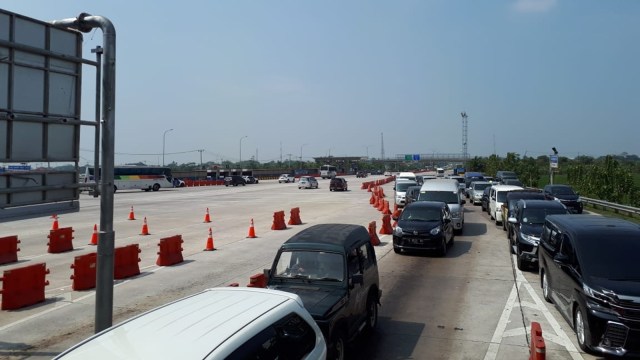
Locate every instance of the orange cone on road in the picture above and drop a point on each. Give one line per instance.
(145, 228)
(94, 237)
(131, 214)
(54, 226)
(207, 218)
(252, 231)
(210, 242)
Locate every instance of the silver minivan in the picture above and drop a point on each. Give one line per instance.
(447, 191)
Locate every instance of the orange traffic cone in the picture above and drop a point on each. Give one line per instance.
(210, 242)
(54, 226)
(207, 218)
(131, 215)
(252, 231)
(94, 237)
(145, 228)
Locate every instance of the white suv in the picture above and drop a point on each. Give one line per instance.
(218, 323)
(286, 178)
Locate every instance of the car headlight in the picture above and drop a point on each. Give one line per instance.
(455, 214)
(597, 300)
(397, 231)
(435, 230)
(530, 238)
(579, 199)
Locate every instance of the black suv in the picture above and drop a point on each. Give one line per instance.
(589, 269)
(510, 202)
(566, 195)
(361, 174)
(333, 268)
(526, 222)
(234, 180)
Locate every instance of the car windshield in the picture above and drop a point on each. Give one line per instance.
(311, 265)
(562, 190)
(537, 216)
(420, 214)
(402, 186)
(613, 259)
(481, 186)
(448, 197)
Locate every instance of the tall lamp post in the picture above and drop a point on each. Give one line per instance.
(163, 142)
(240, 162)
(301, 146)
(553, 164)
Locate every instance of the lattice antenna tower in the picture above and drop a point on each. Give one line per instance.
(382, 146)
(465, 125)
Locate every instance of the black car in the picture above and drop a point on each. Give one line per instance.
(566, 195)
(526, 220)
(424, 225)
(338, 183)
(361, 174)
(510, 204)
(589, 269)
(485, 199)
(234, 180)
(333, 268)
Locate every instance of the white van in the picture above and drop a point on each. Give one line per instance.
(497, 197)
(406, 175)
(440, 172)
(447, 191)
(218, 323)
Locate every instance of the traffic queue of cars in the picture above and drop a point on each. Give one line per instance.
(587, 263)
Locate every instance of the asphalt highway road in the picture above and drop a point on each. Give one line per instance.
(471, 304)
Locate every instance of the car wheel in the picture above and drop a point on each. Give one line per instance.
(372, 313)
(546, 287)
(339, 347)
(519, 261)
(397, 250)
(226, 185)
(443, 247)
(582, 329)
(156, 187)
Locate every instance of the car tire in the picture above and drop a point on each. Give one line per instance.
(443, 248)
(372, 313)
(581, 327)
(520, 262)
(546, 288)
(338, 346)
(397, 250)
(155, 187)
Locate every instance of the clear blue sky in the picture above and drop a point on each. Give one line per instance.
(329, 77)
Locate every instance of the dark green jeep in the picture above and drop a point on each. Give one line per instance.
(333, 268)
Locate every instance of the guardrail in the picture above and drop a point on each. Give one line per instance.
(617, 208)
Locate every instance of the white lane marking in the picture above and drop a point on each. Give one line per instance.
(558, 335)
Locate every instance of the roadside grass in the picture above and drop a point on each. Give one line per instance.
(620, 215)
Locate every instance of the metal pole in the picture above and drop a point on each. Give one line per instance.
(240, 161)
(104, 263)
(164, 135)
(96, 154)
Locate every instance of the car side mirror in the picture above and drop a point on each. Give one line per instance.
(561, 259)
(512, 220)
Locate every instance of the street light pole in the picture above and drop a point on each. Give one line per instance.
(240, 162)
(164, 135)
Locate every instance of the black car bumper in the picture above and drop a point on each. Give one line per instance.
(528, 252)
(417, 243)
(610, 335)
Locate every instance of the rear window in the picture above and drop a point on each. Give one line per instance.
(480, 186)
(443, 196)
(402, 186)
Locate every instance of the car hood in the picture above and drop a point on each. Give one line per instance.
(317, 300)
(531, 229)
(624, 290)
(566, 197)
(408, 225)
